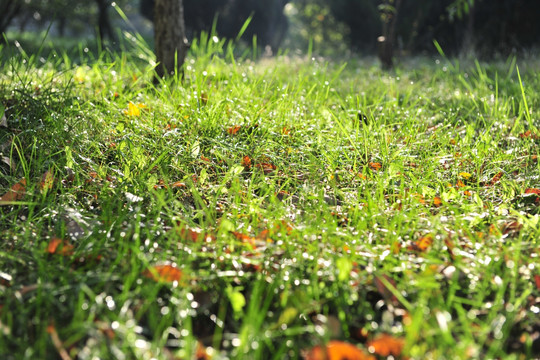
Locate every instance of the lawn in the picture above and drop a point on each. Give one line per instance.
(291, 207)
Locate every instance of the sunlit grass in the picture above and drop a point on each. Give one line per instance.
(302, 200)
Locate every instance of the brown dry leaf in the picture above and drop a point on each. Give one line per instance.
(496, 178)
(204, 98)
(60, 247)
(534, 193)
(386, 345)
(537, 281)
(201, 353)
(267, 168)
(47, 181)
(16, 192)
(163, 273)
(528, 134)
(337, 350)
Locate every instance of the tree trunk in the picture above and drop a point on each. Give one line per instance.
(8, 10)
(104, 23)
(170, 37)
(467, 47)
(388, 39)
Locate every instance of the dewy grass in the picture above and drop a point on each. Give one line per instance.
(261, 209)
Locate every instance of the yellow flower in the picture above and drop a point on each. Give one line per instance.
(134, 109)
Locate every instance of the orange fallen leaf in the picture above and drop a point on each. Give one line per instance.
(537, 281)
(423, 243)
(528, 134)
(234, 129)
(201, 353)
(496, 178)
(535, 193)
(246, 162)
(60, 247)
(437, 201)
(16, 192)
(375, 166)
(178, 184)
(337, 350)
(386, 345)
(163, 273)
(195, 235)
(246, 239)
(267, 168)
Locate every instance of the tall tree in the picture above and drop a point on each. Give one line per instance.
(170, 36)
(8, 10)
(104, 23)
(389, 15)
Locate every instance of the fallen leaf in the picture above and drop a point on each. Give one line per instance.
(437, 201)
(201, 353)
(178, 184)
(537, 281)
(528, 134)
(47, 181)
(534, 194)
(234, 129)
(465, 175)
(423, 243)
(267, 168)
(195, 235)
(337, 350)
(16, 192)
(246, 162)
(375, 166)
(204, 98)
(163, 273)
(386, 345)
(134, 109)
(496, 178)
(60, 247)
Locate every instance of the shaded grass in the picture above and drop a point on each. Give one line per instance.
(332, 202)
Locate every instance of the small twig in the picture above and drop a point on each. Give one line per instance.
(57, 342)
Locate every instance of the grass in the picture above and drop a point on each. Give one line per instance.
(263, 208)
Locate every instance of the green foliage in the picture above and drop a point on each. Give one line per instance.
(259, 209)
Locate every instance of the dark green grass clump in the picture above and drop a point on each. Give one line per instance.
(259, 209)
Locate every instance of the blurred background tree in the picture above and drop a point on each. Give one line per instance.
(478, 27)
